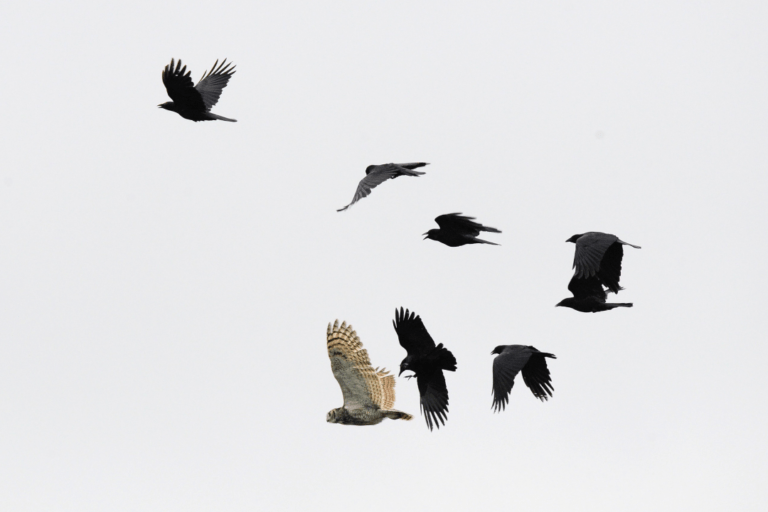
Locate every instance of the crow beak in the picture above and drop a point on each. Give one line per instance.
(160, 106)
(426, 235)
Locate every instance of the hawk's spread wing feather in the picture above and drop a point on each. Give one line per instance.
(211, 84)
(361, 384)
(179, 86)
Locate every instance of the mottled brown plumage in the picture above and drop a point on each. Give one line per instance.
(369, 394)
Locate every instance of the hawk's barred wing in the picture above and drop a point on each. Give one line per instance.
(361, 384)
(536, 375)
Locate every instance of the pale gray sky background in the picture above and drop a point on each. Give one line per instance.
(165, 286)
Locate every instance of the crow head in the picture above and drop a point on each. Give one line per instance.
(405, 365)
(498, 349)
(431, 234)
(168, 105)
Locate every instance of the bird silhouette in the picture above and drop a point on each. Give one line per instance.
(456, 229)
(510, 360)
(427, 362)
(195, 102)
(599, 254)
(375, 175)
(589, 296)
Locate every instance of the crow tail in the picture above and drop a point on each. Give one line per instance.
(445, 358)
(221, 118)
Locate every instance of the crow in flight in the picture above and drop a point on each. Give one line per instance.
(599, 254)
(456, 230)
(375, 175)
(589, 296)
(195, 102)
(427, 362)
(512, 359)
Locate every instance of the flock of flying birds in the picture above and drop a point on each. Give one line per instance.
(369, 394)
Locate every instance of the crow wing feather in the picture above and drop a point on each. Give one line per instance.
(179, 86)
(462, 224)
(375, 175)
(361, 384)
(433, 398)
(590, 249)
(412, 334)
(211, 84)
(610, 267)
(505, 368)
(536, 375)
(587, 287)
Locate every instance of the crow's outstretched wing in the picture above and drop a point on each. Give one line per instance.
(536, 374)
(587, 287)
(516, 358)
(505, 368)
(610, 267)
(179, 86)
(375, 175)
(211, 84)
(590, 249)
(433, 398)
(412, 334)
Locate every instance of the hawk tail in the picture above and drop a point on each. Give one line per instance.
(397, 415)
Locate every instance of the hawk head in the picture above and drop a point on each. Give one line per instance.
(333, 416)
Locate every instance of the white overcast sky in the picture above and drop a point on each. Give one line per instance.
(165, 286)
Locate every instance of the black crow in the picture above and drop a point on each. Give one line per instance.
(589, 296)
(456, 230)
(427, 362)
(375, 175)
(195, 102)
(512, 359)
(599, 254)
